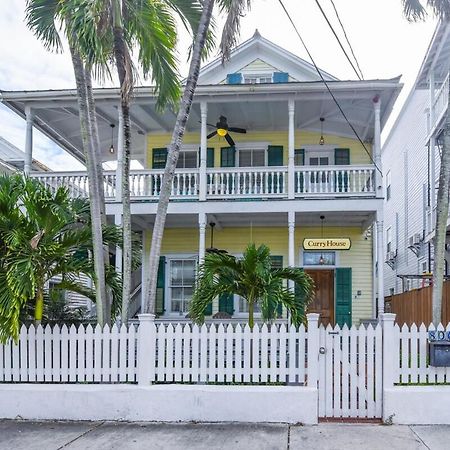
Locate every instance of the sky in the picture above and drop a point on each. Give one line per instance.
(385, 44)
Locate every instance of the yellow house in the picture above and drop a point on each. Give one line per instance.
(274, 153)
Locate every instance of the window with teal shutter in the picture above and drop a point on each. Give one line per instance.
(280, 77)
(160, 286)
(341, 158)
(277, 263)
(226, 304)
(209, 157)
(234, 78)
(275, 158)
(228, 157)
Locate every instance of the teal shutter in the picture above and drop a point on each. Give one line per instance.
(234, 78)
(275, 158)
(299, 157)
(280, 77)
(275, 155)
(343, 296)
(341, 158)
(228, 157)
(210, 157)
(159, 158)
(160, 286)
(226, 303)
(277, 263)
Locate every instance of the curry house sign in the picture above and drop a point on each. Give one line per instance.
(327, 243)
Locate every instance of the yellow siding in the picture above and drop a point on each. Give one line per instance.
(258, 65)
(302, 138)
(234, 240)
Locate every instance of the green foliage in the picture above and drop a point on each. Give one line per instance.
(253, 278)
(416, 10)
(45, 234)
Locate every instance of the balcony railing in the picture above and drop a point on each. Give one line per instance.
(440, 104)
(229, 183)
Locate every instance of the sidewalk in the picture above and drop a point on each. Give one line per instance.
(20, 435)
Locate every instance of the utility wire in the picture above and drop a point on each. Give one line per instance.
(328, 87)
(337, 38)
(347, 39)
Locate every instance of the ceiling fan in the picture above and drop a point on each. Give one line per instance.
(223, 130)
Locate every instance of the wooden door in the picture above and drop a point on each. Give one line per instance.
(323, 302)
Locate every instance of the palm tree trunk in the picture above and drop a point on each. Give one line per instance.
(172, 157)
(251, 314)
(94, 188)
(124, 70)
(97, 152)
(39, 307)
(442, 206)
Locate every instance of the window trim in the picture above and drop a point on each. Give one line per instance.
(258, 77)
(388, 185)
(167, 288)
(389, 241)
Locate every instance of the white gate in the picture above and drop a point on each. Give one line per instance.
(350, 371)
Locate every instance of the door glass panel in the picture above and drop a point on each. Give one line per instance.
(313, 258)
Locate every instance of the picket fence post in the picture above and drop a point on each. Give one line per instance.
(146, 349)
(313, 349)
(390, 364)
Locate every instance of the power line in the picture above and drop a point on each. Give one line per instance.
(347, 39)
(337, 38)
(328, 87)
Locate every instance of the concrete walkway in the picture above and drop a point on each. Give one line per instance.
(20, 435)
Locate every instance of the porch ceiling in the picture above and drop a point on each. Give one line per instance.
(254, 107)
(332, 219)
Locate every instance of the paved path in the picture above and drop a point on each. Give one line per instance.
(18, 435)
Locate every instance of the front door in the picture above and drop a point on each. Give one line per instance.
(323, 302)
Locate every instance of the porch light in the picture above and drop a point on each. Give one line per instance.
(222, 132)
(111, 149)
(321, 140)
(322, 259)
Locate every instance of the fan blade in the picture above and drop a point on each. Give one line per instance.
(229, 140)
(210, 135)
(237, 130)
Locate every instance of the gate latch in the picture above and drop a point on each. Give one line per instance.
(322, 350)
(333, 332)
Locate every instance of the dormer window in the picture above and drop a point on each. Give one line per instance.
(257, 79)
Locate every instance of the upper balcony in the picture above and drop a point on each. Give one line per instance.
(230, 183)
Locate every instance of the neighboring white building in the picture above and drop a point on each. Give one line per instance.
(411, 161)
(13, 159)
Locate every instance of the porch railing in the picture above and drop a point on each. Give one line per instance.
(440, 103)
(227, 183)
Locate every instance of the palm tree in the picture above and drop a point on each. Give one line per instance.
(45, 234)
(414, 10)
(253, 278)
(235, 10)
(46, 18)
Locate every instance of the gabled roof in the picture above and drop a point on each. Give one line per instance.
(14, 158)
(260, 48)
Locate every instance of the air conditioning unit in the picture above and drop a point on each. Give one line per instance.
(390, 256)
(417, 238)
(414, 243)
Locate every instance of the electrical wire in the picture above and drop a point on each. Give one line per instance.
(347, 39)
(328, 87)
(337, 38)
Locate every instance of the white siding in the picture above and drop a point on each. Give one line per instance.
(406, 155)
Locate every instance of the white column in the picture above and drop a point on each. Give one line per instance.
(377, 148)
(203, 150)
(146, 238)
(202, 237)
(28, 140)
(291, 150)
(120, 150)
(432, 149)
(380, 262)
(432, 90)
(291, 240)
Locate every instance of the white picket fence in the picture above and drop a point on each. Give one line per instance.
(411, 352)
(230, 354)
(348, 366)
(70, 355)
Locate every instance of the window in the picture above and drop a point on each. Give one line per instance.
(181, 283)
(299, 157)
(187, 160)
(252, 158)
(319, 161)
(257, 79)
(389, 240)
(388, 185)
(313, 258)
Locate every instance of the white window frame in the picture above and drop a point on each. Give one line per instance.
(258, 77)
(253, 146)
(389, 247)
(319, 267)
(167, 289)
(324, 151)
